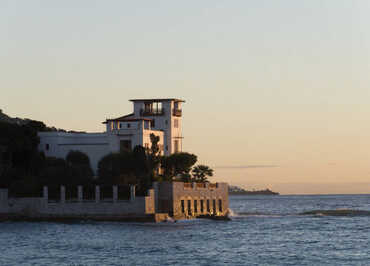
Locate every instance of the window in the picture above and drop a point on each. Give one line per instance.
(201, 206)
(119, 125)
(220, 205)
(214, 207)
(152, 123)
(175, 123)
(157, 108)
(128, 125)
(176, 144)
(166, 147)
(148, 107)
(146, 146)
(166, 122)
(47, 147)
(208, 207)
(189, 207)
(182, 206)
(195, 206)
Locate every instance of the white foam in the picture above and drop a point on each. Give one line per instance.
(231, 213)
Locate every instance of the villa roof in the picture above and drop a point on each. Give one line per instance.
(133, 119)
(127, 118)
(157, 100)
(124, 117)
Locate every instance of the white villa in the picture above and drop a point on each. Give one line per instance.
(162, 117)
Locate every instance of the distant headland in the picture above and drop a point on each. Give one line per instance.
(235, 190)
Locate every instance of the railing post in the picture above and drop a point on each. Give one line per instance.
(132, 192)
(194, 185)
(62, 194)
(45, 193)
(115, 194)
(97, 194)
(80, 193)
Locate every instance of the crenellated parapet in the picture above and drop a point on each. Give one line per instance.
(189, 200)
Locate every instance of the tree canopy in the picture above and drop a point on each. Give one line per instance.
(201, 172)
(77, 158)
(25, 170)
(19, 155)
(126, 168)
(178, 164)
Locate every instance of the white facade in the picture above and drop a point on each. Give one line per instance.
(162, 117)
(58, 144)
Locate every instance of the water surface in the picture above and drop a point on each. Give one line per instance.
(265, 230)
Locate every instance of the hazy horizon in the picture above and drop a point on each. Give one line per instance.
(277, 92)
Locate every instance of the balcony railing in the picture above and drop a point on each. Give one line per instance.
(153, 112)
(177, 112)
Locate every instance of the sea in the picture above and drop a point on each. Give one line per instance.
(263, 230)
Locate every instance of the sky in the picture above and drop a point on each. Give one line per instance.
(277, 92)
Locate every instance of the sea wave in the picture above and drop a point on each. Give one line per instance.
(337, 212)
(233, 214)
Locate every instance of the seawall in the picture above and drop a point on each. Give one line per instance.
(167, 199)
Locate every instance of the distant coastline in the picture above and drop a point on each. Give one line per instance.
(235, 190)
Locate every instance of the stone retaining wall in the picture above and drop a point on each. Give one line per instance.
(176, 199)
(187, 200)
(41, 207)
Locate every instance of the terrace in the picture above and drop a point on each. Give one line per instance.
(152, 109)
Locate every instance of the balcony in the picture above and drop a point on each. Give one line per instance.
(177, 112)
(151, 112)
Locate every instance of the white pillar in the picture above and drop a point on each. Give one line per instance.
(194, 185)
(45, 193)
(97, 194)
(62, 194)
(132, 192)
(115, 193)
(80, 193)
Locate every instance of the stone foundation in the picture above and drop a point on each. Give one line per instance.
(191, 200)
(177, 200)
(139, 208)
